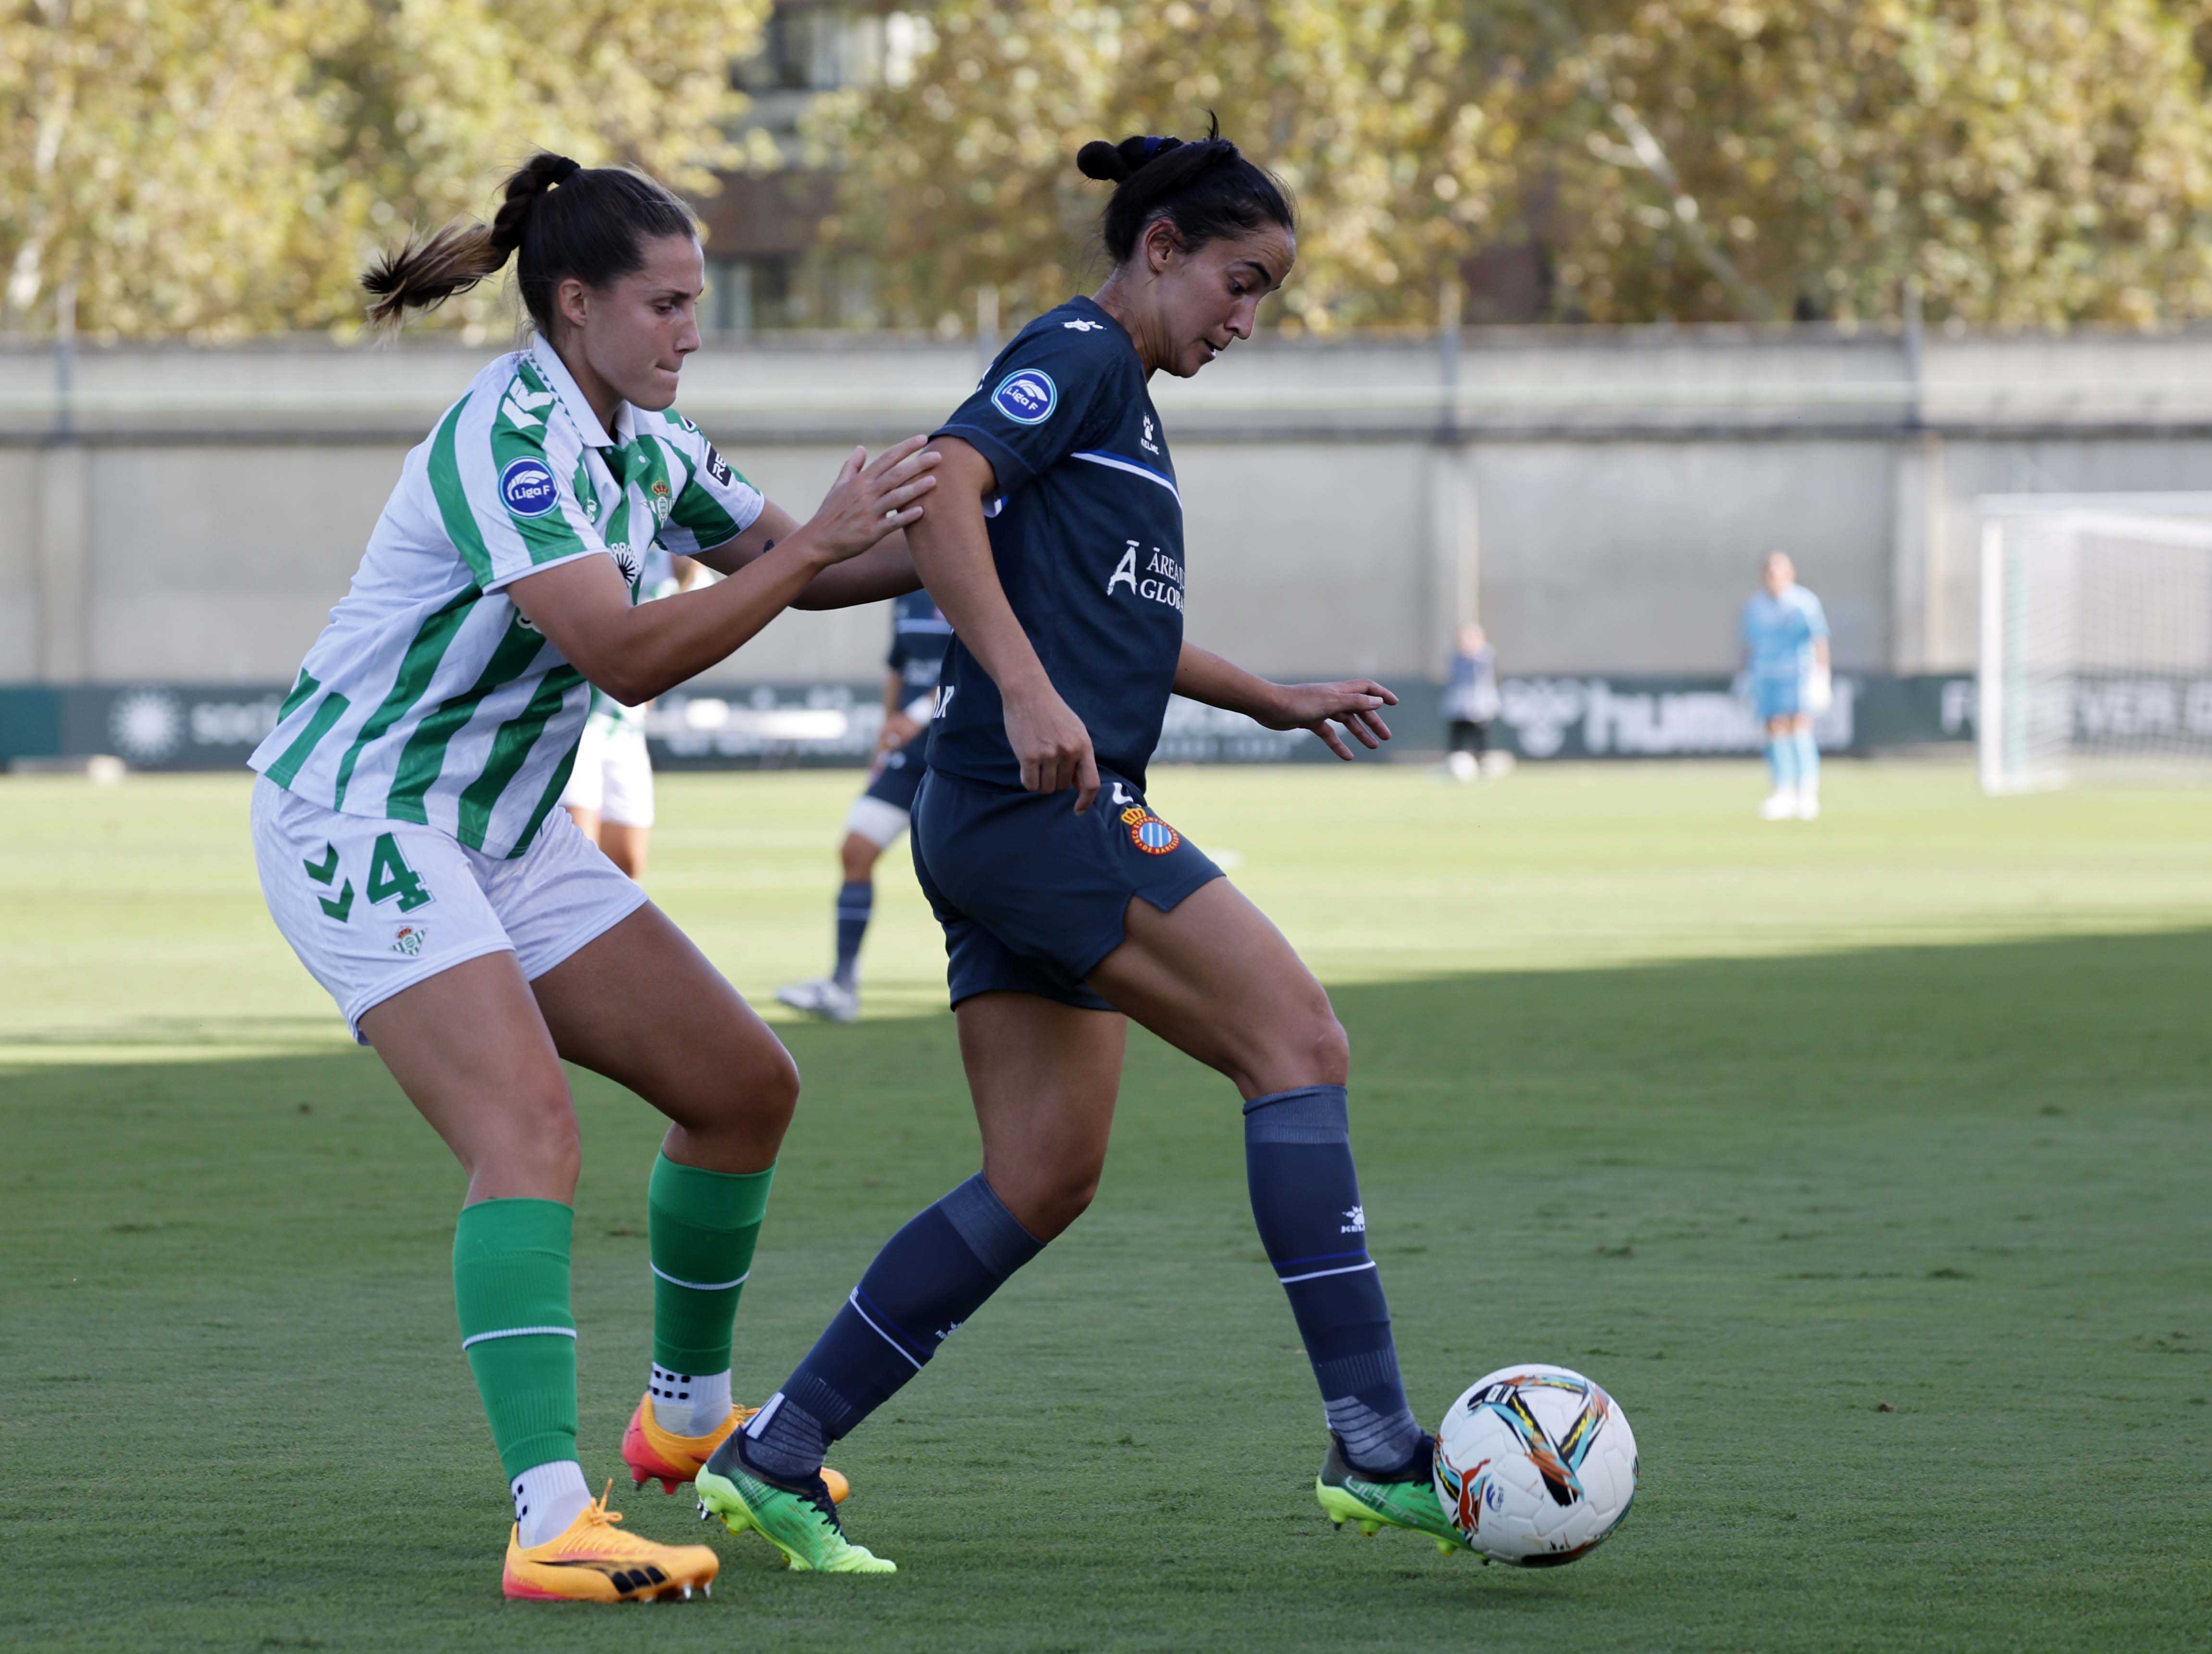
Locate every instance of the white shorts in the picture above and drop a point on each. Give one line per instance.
(372, 906)
(877, 820)
(613, 774)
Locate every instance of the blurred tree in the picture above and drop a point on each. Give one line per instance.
(2024, 162)
(215, 167)
(2032, 162)
(964, 176)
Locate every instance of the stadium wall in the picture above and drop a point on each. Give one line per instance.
(188, 516)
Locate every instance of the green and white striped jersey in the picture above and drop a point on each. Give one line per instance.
(658, 581)
(428, 697)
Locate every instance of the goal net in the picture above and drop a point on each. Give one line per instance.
(2096, 640)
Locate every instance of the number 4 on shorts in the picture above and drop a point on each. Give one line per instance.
(389, 875)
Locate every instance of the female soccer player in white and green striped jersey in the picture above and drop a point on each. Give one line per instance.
(410, 852)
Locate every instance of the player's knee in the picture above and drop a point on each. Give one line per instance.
(1063, 1198)
(857, 856)
(775, 1091)
(1308, 1047)
(1328, 1049)
(539, 1145)
(1047, 1200)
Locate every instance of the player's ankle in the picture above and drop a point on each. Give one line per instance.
(547, 1498)
(689, 1404)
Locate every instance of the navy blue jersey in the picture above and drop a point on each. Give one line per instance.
(920, 636)
(1087, 535)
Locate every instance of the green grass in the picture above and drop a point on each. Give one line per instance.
(1866, 1164)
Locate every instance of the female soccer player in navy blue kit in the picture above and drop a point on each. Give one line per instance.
(1055, 548)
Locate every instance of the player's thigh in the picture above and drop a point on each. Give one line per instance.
(641, 1005)
(1214, 978)
(625, 845)
(1044, 1076)
(473, 1055)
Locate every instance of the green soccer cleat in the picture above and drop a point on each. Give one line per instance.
(802, 1524)
(1350, 1495)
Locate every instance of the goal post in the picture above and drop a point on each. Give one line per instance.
(2096, 639)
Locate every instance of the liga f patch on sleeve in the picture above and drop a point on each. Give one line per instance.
(1027, 396)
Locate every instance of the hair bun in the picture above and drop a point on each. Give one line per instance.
(561, 169)
(1102, 161)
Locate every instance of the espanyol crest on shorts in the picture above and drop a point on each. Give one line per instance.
(1027, 396)
(1148, 832)
(526, 485)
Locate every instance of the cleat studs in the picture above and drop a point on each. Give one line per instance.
(707, 1590)
(636, 1477)
(687, 1593)
(669, 1484)
(1443, 1548)
(1370, 1528)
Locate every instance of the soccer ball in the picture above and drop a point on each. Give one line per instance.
(1535, 1466)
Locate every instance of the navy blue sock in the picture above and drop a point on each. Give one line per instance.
(929, 1277)
(1305, 1198)
(856, 902)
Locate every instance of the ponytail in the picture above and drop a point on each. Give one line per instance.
(1206, 189)
(556, 219)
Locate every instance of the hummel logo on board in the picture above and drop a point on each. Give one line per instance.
(1085, 326)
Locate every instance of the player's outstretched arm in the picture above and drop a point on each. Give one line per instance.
(884, 571)
(1355, 703)
(952, 550)
(636, 653)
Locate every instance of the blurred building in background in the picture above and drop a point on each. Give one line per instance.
(769, 263)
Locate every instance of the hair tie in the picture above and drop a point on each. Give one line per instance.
(562, 171)
(1154, 145)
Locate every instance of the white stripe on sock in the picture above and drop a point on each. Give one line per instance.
(1348, 1269)
(855, 1300)
(519, 1332)
(700, 1285)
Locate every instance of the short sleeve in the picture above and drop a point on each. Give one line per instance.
(1816, 617)
(1044, 398)
(716, 503)
(506, 489)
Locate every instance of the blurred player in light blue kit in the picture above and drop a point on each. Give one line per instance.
(1785, 667)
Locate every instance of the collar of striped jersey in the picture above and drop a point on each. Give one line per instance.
(548, 363)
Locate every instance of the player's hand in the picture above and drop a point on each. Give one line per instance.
(871, 498)
(1356, 704)
(898, 730)
(1052, 746)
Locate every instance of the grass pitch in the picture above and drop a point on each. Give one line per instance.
(1865, 1163)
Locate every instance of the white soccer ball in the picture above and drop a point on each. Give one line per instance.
(1536, 1465)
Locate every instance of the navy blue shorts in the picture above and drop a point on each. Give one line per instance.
(900, 778)
(1033, 895)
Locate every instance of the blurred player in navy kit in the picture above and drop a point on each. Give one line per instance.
(1056, 548)
(920, 636)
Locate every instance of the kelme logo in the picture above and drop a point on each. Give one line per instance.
(1027, 396)
(526, 485)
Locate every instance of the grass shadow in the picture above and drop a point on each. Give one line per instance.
(1894, 1257)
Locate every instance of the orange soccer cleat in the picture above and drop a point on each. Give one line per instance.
(656, 1455)
(591, 1561)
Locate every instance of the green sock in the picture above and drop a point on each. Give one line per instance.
(701, 1226)
(511, 1285)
